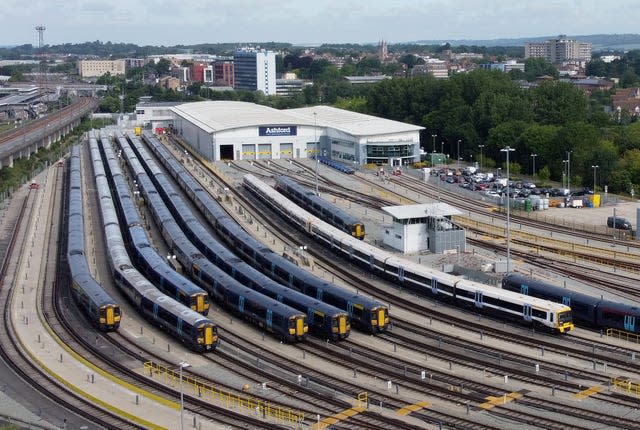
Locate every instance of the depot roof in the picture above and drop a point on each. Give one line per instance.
(213, 116)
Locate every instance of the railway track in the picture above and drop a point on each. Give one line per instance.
(360, 275)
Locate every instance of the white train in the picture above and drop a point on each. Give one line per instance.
(488, 299)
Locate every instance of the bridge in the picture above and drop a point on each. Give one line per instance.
(24, 141)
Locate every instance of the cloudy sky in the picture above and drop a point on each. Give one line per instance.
(164, 22)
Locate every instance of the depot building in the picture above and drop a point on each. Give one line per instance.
(227, 130)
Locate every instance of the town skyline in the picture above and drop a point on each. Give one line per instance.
(301, 23)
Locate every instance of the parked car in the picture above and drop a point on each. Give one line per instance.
(619, 223)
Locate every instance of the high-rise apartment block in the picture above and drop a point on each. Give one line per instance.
(255, 69)
(560, 50)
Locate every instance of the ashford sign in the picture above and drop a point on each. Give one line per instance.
(289, 130)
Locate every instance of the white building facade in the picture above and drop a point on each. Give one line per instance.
(255, 70)
(223, 130)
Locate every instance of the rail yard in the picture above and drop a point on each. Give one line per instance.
(406, 358)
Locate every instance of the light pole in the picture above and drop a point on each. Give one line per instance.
(458, 154)
(533, 170)
(315, 140)
(481, 146)
(564, 172)
(569, 170)
(433, 136)
(594, 167)
(508, 149)
(182, 364)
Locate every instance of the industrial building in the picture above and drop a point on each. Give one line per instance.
(229, 130)
(417, 228)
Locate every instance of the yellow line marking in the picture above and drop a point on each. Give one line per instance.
(326, 422)
(588, 392)
(412, 408)
(493, 401)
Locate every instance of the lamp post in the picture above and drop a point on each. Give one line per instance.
(594, 167)
(508, 149)
(433, 136)
(564, 172)
(315, 140)
(458, 154)
(533, 170)
(182, 365)
(569, 170)
(481, 146)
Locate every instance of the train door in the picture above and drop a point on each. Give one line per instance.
(269, 318)
(110, 315)
(526, 312)
(381, 318)
(241, 304)
(179, 326)
(300, 327)
(434, 285)
(478, 299)
(155, 311)
(372, 262)
(524, 289)
(566, 301)
(400, 273)
(630, 323)
(208, 335)
(319, 294)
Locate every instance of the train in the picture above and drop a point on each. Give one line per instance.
(365, 313)
(416, 277)
(275, 316)
(587, 310)
(101, 309)
(155, 267)
(323, 320)
(193, 329)
(319, 207)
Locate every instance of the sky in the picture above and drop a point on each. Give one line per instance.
(307, 22)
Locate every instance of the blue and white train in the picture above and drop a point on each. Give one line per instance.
(364, 312)
(274, 316)
(414, 276)
(193, 329)
(102, 310)
(587, 310)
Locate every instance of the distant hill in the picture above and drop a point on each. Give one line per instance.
(600, 42)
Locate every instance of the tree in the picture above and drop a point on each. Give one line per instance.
(162, 67)
(558, 103)
(537, 67)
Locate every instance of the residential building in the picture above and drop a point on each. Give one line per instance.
(223, 73)
(506, 66)
(559, 50)
(202, 72)
(255, 70)
(289, 85)
(97, 68)
(627, 99)
(438, 68)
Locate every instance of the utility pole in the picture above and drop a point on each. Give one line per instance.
(508, 149)
(42, 69)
